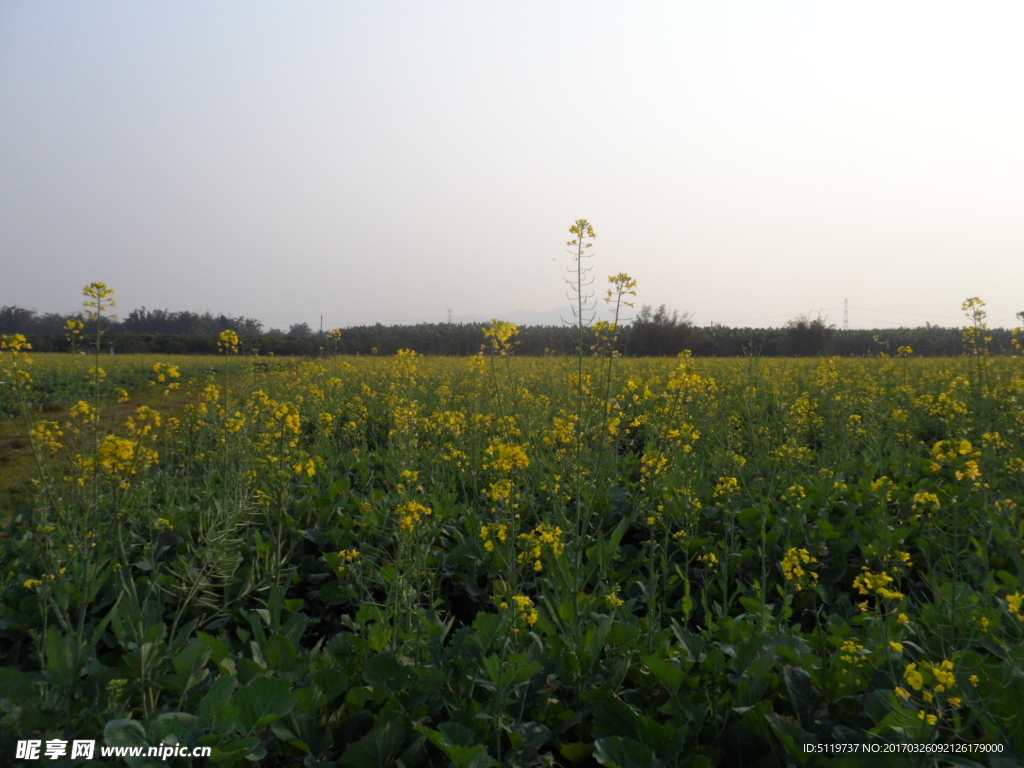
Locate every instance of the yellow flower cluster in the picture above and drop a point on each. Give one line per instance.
(490, 532)
(411, 514)
(869, 582)
(710, 560)
(1014, 602)
(119, 456)
(306, 467)
(500, 334)
(500, 490)
(944, 451)
(795, 493)
(143, 422)
(925, 499)
(652, 464)
(14, 343)
(935, 683)
(83, 412)
(527, 610)
(347, 557)
(793, 567)
(726, 487)
(506, 457)
(228, 342)
(855, 658)
(534, 544)
(47, 434)
(166, 374)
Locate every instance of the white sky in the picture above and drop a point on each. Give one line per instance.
(377, 161)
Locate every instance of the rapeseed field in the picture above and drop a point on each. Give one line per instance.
(520, 561)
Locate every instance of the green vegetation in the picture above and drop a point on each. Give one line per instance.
(581, 560)
(424, 557)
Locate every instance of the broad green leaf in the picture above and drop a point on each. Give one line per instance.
(192, 658)
(378, 748)
(130, 733)
(668, 674)
(620, 752)
(332, 682)
(178, 727)
(492, 665)
(463, 755)
(216, 698)
(261, 702)
(280, 654)
(456, 733)
(385, 673)
(576, 752)
(15, 685)
(613, 717)
(239, 749)
(125, 733)
(810, 702)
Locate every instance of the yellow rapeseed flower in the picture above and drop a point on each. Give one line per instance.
(913, 676)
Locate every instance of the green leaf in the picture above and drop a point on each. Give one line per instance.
(247, 748)
(125, 733)
(456, 733)
(525, 672)
(385, 673)
(378, 748)
(789, 732)
(261, 702)
(60, 663)
(216, 699)
(492, 665)
(129, 733)
(613, 717)
(576, 752)
(181, 726)
(456, 749)
(190, 665)
(665, 740)
(668, 674)
(620, 752)
(280, 654)
(486, 628)
(332, 682)
(310, 699)
(810, 702)
(15, 685)
(192, 658)
(306, 733)
(595, 637)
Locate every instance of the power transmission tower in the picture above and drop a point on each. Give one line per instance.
(846, 314)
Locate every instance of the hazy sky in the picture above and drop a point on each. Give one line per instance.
(375, 161)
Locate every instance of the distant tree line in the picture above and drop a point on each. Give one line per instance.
(139, 321)
(654, 332)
